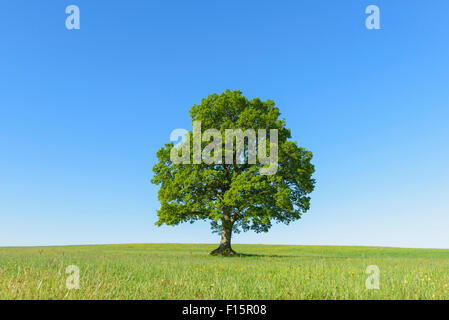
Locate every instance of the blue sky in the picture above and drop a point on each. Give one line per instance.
(83, 112)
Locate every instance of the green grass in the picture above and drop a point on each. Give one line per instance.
(183, 271)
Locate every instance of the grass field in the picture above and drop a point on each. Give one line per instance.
(183, 271)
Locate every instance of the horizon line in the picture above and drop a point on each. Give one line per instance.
(198, 243)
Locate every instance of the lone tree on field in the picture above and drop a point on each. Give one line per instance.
(241, 190)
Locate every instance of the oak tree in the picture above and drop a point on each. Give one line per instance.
(237, 196)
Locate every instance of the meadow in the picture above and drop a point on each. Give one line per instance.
(186, 271)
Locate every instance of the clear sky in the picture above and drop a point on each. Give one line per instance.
(83, 112)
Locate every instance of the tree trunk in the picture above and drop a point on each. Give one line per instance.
(225, 243)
